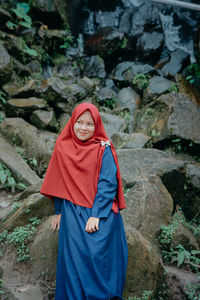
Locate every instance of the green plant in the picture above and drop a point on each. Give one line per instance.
(15, 207)
(30, 51)
(23, 20)
(124, 42)
(145, 296)
(20, 237)
(193, 291)
(177, 253)
(7, 181)
(2, 98)
(69, 40)
(193, 74)
(108, 102)
(173, 88)
(141, 81)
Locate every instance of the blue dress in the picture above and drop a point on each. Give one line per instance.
(92, 266)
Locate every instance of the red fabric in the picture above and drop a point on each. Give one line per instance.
(75, 165)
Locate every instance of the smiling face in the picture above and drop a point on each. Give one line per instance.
(84, 126)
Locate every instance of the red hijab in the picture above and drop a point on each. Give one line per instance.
(75, 165)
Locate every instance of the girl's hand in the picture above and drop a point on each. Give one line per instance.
(55, 222)
(92, 225)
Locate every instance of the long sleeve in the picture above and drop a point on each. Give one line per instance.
(58, 205)
(107, 186)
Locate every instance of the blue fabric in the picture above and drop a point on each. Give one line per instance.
(58, 205)
(92, 266)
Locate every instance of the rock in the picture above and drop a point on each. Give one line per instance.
(94, 67)
(76, 92)
(185, 278)
(145, 270)
(175, 37)
(106, 41)
(125, 21)
(184, 237)
(149, 46)
(171, 115)
(113, 123)
(32, 189)
(87, 83)
(29, 89)
(123, 140)
(34, 66)
(17, 107)
(117, 72)
(64, 118)
(139, 163)
(43, 251)
(20, 68)
(145, 15)
(63, 107)
(106, 96)
(5, 65)
(38, 144)
(147, 196)
(68, 70)
(178, 59)
(36, 205)
(51, 13)
(157, 86)
(56, 89)
(43, 119)
(16, 46)
(16, 164)
(126, 71)
(193, 173)
(185, 88)
(127, 97)
(27, 292)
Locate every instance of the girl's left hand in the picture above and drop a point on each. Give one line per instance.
(92, 225)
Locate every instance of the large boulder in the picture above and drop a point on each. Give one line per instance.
(149, 46)
(157, 86)
(113, 123)
(123, 140)
(16, 164)
(36, 205)
(106, 41)
(148, 196)
(145, 271)
(43, 119)
(128, 98)
(138, 163)
(94, 67)
(6, 67)
(38, 144)
(29, 89)
(17, 107)
(43, 251)
(171, 115)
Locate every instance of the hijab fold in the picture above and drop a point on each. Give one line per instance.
(75, 165)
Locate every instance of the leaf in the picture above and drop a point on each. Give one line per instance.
(24, 6)
(11, 181)
(3, 177)
(21, 186)
(25, 24)
(30, 51)
(11, 25)
(181, 257)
